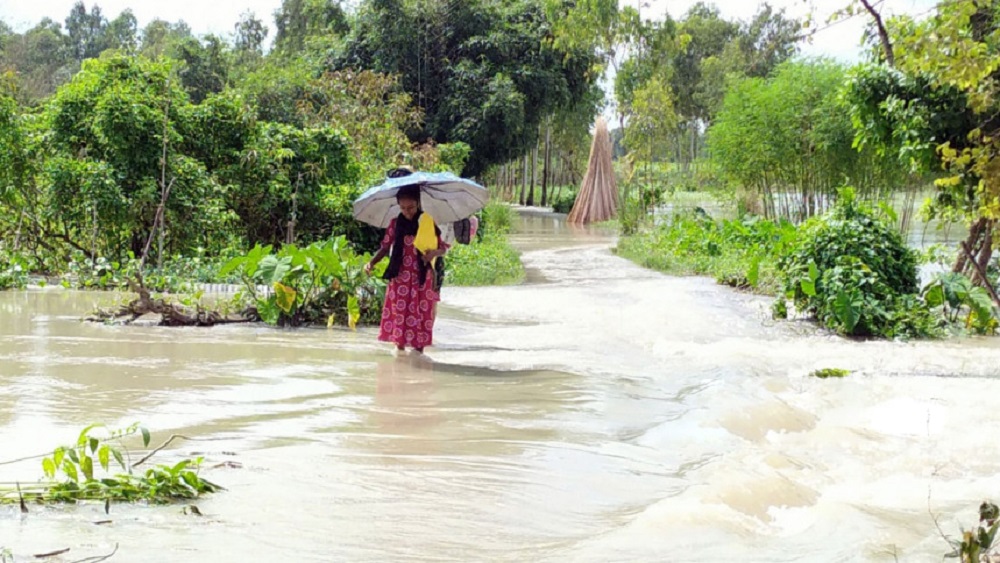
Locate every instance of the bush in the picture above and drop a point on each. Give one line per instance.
(852, 270)
(490, 261)
(565, 202)
(323, 282)
(14, 271)
(497, 219)
(739, 253)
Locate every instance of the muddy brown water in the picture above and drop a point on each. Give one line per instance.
(598, 412)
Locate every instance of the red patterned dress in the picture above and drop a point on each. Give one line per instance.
(408, 313)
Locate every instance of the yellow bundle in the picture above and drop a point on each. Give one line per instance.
(426, 238)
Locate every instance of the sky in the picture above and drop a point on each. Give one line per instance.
(839, 41)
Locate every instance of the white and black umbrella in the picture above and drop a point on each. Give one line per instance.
(445, 196)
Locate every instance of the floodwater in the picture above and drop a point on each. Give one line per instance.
(599, 412)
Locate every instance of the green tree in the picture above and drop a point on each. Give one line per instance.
(297, 21)
(788, 140)
(485, 73)
(768, 40)
(937, 107)
(41, 59)
(86, 31)
(159, 36)
(248, 42)
(123, 33)
(205, 66)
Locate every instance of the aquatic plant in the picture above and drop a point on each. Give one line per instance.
(323, 282)
(978, 545)
(84, 471)
(825, 373)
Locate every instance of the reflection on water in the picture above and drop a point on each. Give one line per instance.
(603, 412)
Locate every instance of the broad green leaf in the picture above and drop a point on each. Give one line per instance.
(176, 469)
(813, 272)
(72, 455)
(104, 456)
(57, 456)
(272, 269)
(353, 312)
(753, 274)
(848, 310)
(94, 443)
(49, 467)
(118, 457)
(232, 265)
(808, 287)
(284, 297)
(69, 468)
(87, 467)
(934, 296)
(145, 437)
(84, 434)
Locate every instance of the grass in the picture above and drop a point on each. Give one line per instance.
(490, 261)
(741, 254)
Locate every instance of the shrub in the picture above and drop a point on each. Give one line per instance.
(564, 204)
(497, 219)
(740, 253)
(14, 271)
(852, 270)
(323, 282)
(490, 261)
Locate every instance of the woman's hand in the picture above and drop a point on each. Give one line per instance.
(368, 269)
(430, 255)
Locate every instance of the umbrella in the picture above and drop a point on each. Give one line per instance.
(445, 196)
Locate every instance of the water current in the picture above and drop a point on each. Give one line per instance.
(597, 412)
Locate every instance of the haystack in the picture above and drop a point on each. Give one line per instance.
(598, 196)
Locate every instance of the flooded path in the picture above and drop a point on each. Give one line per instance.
(598, 412)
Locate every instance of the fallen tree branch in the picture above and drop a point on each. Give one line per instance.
(97, 558)
(51, 553)
(163, 445)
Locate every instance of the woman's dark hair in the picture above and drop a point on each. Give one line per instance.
(400, 172)
(409, 192)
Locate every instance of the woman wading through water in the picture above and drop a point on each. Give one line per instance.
(412, 296)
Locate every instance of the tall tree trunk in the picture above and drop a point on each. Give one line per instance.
(524, 180)
(534, 172)
(548, 162)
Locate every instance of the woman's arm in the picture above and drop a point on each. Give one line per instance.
(383, 249)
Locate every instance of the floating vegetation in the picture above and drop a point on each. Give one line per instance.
(98, 467)
(830, 372)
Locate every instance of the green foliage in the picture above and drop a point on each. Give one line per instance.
(176, 274)
(289, 173)
(739, 253)
(564, 203)
(323, 282)
(955, 294)
(497, 219)
(852, 271)
(84, 471)
(489, 261)
(830, 372)
(789, 140)
(978, 545)
(489, 77)
(14, 270)
(103, 152)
